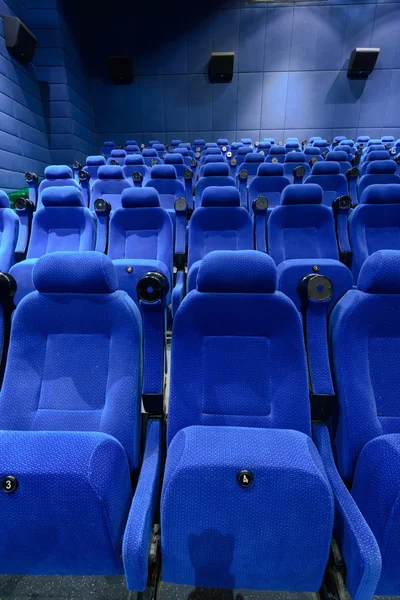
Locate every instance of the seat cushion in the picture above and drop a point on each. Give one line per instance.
(273, 535)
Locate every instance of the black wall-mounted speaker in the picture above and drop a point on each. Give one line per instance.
(120, 69)
(362, 62)
(220, 68)
(20, 40)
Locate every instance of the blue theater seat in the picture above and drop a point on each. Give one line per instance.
(252, 161)
(186, 154)
(132, 149)
(76, 423)
(346, 149)
(151, 157)
(388, 141)
(378, 172)
(109, 186)
(340, 157)
(242, 153)
(198, 145)
(176, 159)
(264, 148)
(134, 163)
(313, 139)
(220, 415)
(117, 156)
(292, 146)
(223, 143)
(322, 145)
(277, 154)
(269, 183)
(163, 178)
(270, 140)
(293, 160)
(131, 143)
(365, 325)
(107, 148)
(373, 148)
(313, 155)
(211, 159)
(214, 174)
(220, 223)
(9, 229)
(371, 156)
(160, 149)
(372, 142)
(375, 223)
(328, 175)
(63, 223)
(174, 144)
(337, 139)
(92, 165)
(152, 142)
(246, 142)
(235, 148)
(56, 175)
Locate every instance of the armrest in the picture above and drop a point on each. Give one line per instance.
(178, 292)
(359, 547)
(138, 532)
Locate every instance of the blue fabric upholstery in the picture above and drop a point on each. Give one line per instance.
(270, 182)
(374, 223)
(131, 149)
(58, 227)
(220, 415)
(293, 160)
(134, 163)
(119, 156)
(62, 196)
(71, 426)
(366, 325)
(268, 169)
(109, 186)
(380, 167)
(92, 165)
(333, 183)
(163, 179)
(276, 154)
(56, 175)
(151, 157)
(173, 159)
(342, 158)
(9, 228)
(378, 172)
(375, 155)
(215, 169)
(214, 174)
(302, 227)
(220, 196)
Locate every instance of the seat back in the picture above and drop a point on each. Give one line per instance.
(92, 165)
(164, 179)
(294, 160)
(186, 154)
(107, 148)
(117, 156)
(251, 163)
(219, 224)
(63, 223)
(313, 155)
(302, 227)
(277, 154)
(246, 142)
(365, 324)
(177, 160)
(160, 149)
(375, 223)
(242, 153)
(269, 182)
(56, 175)
(322, 145)
(9, 229)
(134, 163)
(198, 145)
(378, 172)
(340, 157)
(328, 175)
(264, 148)
(371, 156)
(151, 157)
(292, 146)
(214, 174)
(109, 186)
(224, 330)
(132, 149)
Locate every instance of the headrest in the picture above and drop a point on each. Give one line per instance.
(151, 142)
(236, 145)
(136, 197)
(312, 150)
(118, 153)
(211, 145)
(378, 155)
(347, 143)
(110, 172)
(109, 144)
(131, 143)
(397, 143)
(199, 142)
(270, 169)
(263, 145)
(132, 148)
(301, 193)
(363, 138)
(159, 147)
(149, 152)
(381, 167)
(292, 139)
(220, 196)
(254, 157)
(175, 142)
(320, 143)
(339, 138)
(371, 142)
(237, 272)
(314, 138)
(65, 195)
(173, 159)
(58, 172)
(246, 141)
(326, 168)
(95, 161)
(375, 148)
(277, 150)
(134, 159)
(295, 157)
(270, 140)
(337, 155)
(223, 142)
(184, 145)
(380, 273)
(344, 148)
(213, 151)
(214, 158)
(387, 138)
(163, 172)
(182, 151)
(292, 145)
(216, 168)
(381, 194)
(85, 272)
(4, 200)
(244, 150)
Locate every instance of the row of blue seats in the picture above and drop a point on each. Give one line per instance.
(250, 494)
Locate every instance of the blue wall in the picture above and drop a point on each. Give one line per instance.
(290, 70)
